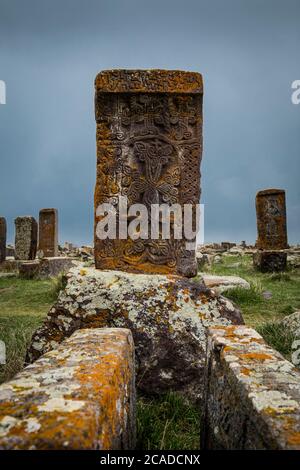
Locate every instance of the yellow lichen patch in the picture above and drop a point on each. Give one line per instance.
(245, 371)
(255, 356)
(294, 439)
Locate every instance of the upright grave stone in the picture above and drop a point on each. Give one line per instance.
(25, 238)
(2, 239)
(48, 232)
(272, 231)
(149, 148)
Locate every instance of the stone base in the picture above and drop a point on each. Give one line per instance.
(45, 268)
(270, 261)
(10, 265)
(167, 315)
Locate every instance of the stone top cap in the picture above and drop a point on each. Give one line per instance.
(48, 209)
(148, 81)
(268, 192)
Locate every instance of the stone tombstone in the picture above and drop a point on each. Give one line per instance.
(48, 232)
(271, 220)
(149, 150)
(272, 231)
(25, 238)
(2, 239)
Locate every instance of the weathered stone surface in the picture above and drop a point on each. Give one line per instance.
(271, 219)
(45, 267)
(2, 239)
(26, 238)
(79, 396)
(168, 317)
(292, 322)
(48, 232)
(223, 283)
(270, 261)
(149, 147)
(252, 394)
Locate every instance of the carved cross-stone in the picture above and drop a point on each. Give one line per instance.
(271, 219)
(272, 231)
(25, 238)
(149, 148)
(48, 232)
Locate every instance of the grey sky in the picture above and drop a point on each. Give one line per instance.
(247, 51)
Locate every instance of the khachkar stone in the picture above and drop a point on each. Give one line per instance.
(149, 148)
(272, 231)
(26, 238)
(48, 232)
(2, 239)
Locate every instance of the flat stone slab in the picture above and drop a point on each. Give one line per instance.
(252, 396)
(223, 283)
(79, 396)
(168, 316)
(45, 267)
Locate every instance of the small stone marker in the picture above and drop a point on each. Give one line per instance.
(149, 148)
(26, 238)
(48, 232)
(2, 239)
(272, 231)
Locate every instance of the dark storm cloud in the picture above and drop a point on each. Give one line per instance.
(50, 52)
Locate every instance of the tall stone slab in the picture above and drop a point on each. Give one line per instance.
(272, 230)
(2, 239)
(149, 148)
(271, 219)
(25, 238)
(48, 232)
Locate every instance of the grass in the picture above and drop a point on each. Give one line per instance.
(23, 306)
(167, 423)
(277, 337)
(284, 289)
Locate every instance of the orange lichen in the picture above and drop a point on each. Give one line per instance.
(255, 356)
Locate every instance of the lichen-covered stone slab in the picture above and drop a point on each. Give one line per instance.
(48, 232)
(168, 317)
(223, 283)
(2, 239)
(252, 396)
(149, 150)
(25, 238)
(78, 396)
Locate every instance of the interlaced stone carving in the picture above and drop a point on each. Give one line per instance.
(149, 146)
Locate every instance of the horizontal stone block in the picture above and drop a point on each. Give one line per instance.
(252, 396)
(45, 268)
(79, 396)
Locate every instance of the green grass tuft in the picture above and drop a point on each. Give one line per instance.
(168, 422)
(278, 337)
(244, 297)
